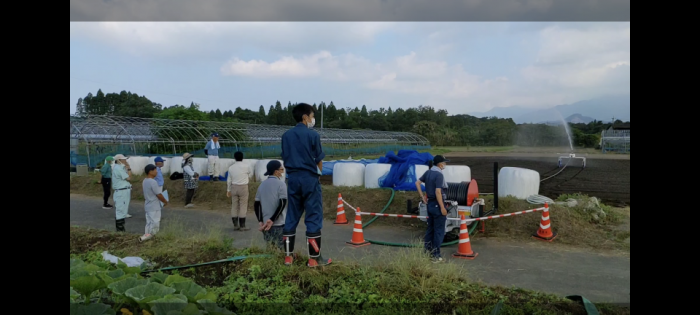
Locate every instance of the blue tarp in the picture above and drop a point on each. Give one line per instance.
(402, 175)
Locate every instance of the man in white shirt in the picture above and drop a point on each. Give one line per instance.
(237, 190)
(212, 152)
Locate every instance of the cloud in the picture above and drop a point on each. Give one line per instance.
(157, 39)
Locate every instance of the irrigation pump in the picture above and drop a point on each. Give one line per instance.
(570, 157)
(462, 199)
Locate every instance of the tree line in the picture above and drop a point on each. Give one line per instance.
(438, 126)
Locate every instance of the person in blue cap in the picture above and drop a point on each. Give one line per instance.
(159, 178)
(212, 152)
(303, 159)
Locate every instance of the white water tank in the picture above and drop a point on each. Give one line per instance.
(166, 164)
(349, 174)
(137, 165)
(175, 164)
(200, 166)
(223, 166)
(251, 165)
(261, 169)
(457, 173)
(518, 182)
(373, 172)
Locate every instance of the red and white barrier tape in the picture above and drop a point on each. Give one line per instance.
(456, 219)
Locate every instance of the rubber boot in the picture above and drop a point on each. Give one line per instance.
(236, 227)
(288, 243)
(243, 228)
(120, 225)
(315, 257)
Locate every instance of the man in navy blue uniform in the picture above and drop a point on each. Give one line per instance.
(303, 158)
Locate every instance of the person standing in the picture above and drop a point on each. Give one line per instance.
(435, 196)
(153, 195)
(121, 175)
(271, 204)
(106, 181)
(212, 152)
(190, 178)
(303, 158)
(159, 177)
(237, 190)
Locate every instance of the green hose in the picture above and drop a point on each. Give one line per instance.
(391, 199)
(207, 263)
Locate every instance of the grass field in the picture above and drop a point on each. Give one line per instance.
(406, 282)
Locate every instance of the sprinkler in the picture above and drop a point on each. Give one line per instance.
(572, 156)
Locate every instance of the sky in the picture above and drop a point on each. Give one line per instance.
(462, 67)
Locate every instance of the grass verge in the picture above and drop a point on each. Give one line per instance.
(575, 226)
(408, 282)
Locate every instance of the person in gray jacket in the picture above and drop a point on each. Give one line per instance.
(271, 204)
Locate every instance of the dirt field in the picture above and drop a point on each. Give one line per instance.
(605, 176)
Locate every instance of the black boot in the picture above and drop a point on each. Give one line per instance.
(315, 257)
(236, 227)
(288, 243)
(120, 225)
(243, 228)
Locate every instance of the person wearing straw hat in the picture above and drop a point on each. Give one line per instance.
(212, 152)
(435, 196)
(106, 181)
(190, 177)
(121, 175)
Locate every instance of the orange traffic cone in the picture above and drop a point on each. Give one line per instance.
(340, 218)
(358, 238)
(544, 233)
(464, 250)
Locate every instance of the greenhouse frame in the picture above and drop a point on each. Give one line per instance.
(94, 137)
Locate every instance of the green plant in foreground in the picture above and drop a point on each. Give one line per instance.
(101, 288)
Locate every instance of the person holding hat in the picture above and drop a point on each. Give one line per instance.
(121, 175)
(435, 197)
(153, 196)
(212, 152)
(190, 178)
(271, 205)
(303, 158)
(159, 177)
(106, 181)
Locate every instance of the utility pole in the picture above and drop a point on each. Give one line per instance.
(322, 106)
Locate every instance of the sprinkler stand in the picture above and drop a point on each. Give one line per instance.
(572, 156)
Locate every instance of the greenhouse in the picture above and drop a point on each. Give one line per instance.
(95, 137)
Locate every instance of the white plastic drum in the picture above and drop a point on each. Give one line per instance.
(373, 172)
(200, 166)
(518, 182)
(224, 164)
(457, 173)
(349, 174)
(137, 164)
(251, 165)
(166, 164)
(261, 169)
(175, 164)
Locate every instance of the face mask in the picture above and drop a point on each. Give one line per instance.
(312, 123)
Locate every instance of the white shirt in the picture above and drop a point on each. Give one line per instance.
(238, 174)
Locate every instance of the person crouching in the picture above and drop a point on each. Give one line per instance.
(271, 204)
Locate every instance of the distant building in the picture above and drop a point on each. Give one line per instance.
(616, 138)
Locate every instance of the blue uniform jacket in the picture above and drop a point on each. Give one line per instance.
(301, 150)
